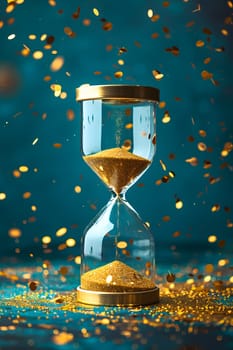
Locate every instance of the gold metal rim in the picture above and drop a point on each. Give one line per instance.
(117, 92)
(147, 297)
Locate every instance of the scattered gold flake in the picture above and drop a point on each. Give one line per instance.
(166, 117)
(37, 55)
(179, 204)
(121, 244)
(200, 43)
(10, 7)
(224, 32)
(150, 13)
(201, 146)
(77, 260)
(193, 161)
(61, 231)
(11, 36)
(118, 74)
(76, 14)
(33, 285)
(52, 3)
(27, 195)
(107, 26)
(57, 145)
(35, 141)
(32, 36)
(95, 11)
(62, 338)
(2, 196)
(69, 32)
(46, 239)
(157, 75)
(129, 126)
(155, 35)
(155, 17)
(207, 60)
(14, 232)
(77, 189)
(163, 165)
(70, 242)
(47, 77)
(16, 173)
(174, 50)
(25, 51)
(57, 64)
(206, 75)
(162, 104)
(215, 207)
(223, 262)
(121, 62)
(202, 133)
(170, 277)
(127, 144)
(86, 22)
(1, 24)
(23, 168)
(166, 218)
(33, 208)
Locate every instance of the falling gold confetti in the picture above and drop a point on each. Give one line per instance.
(14, 232)
(157, 75)
(2, 196)
(57, 64)
(166, 117)
(61, 231)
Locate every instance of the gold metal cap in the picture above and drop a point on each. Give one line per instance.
(126, 93)
(146, 297)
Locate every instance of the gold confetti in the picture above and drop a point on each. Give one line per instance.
(46, 239)
(61, 231)
(57, 64)
(157, 75)
(166, 117)
(200, 43)
(215, 208)
(170, 277)
(15, 232)
(174, 50)
(37, 55)
(23, 169)
(118, 74)
(33, 285)
(77, 189)
(2, 196)
(193, 161)
(96, 12)
(206, 75)
(70, 242)
(27, 195)
(121, 244)
(163, 165)
(107, 26)
(201, 146)
(179, 204)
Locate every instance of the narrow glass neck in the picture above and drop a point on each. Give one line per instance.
(120, 196)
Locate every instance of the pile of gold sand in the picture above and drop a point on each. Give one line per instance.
(115, 277)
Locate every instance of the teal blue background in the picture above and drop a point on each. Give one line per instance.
(192, 102)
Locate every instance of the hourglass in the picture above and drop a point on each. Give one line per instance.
(118, 143)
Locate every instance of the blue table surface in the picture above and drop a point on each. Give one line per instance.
(195, 311)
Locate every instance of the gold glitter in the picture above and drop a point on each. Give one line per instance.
(57, 64)
(37, 55)
(62, 338)
(14, 232)
(70, 242)
(215, 208)
(23, 169)
(77, 260)
(201, 146)
(107, 26)
(116, 167)
(33, 285)
(179, 204)
(27, 195)
(157, 74)
(163, 165)
(2, 196)
(77, 189)
(46, 239)
(121, 244)
(123, 279)
(166, 117)
(206, 75)
(150, 13)
(212, 239)
(118, 74)
(200, 43)
(61, 231)
(95, 12)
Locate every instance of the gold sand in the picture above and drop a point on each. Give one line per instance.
(116, 167)
(115, 277)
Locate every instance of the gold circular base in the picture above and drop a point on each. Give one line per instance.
(146, 297)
